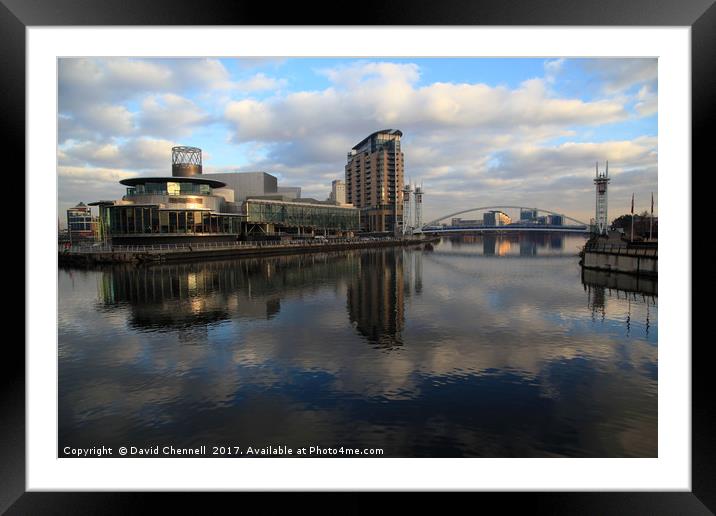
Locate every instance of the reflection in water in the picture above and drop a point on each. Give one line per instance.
(482, 347)
(637, 290)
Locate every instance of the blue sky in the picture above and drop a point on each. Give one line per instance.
(477, 131)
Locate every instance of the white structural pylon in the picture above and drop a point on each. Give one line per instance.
(407, 220)
(419, 206)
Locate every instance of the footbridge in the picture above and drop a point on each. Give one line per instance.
(550, 221)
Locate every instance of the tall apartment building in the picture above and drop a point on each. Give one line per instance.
(374, 180)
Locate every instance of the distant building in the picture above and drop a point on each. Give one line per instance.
(556, 220)
(81, 225)
(458, 222)
(528, 215)
(374, 180)
(289, 193)
(338, 192)
(496, 218)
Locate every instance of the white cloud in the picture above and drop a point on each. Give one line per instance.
(647, 101)
(139, 154)
(364, 97)
(170, 115)
(258, 82)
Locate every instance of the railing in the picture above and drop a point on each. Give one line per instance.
(202, 246)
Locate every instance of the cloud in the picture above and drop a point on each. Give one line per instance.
(362, 97)
(139, 154)
(619, 74)
(258, 82)
(92, 121)
(647, 101)
(170, 115)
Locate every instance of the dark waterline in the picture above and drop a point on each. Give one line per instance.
(494, 347)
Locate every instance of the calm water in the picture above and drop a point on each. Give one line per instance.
(488, 346)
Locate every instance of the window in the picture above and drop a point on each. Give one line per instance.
(155, 220)
(164, 221)
(130, 220)
(147, 220)
(173, 188)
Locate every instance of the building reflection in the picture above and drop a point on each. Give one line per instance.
(376, 296)
(190, 297)
(194, 295)
(525, 244)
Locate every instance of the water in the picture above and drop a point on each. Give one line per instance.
(492, 347)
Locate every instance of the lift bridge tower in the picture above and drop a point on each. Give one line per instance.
(419, 206)
(600, 182)
(407, 216)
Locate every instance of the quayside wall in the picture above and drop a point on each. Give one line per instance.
(640, 261)
(147, 254)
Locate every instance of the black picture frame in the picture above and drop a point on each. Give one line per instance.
(17, 15)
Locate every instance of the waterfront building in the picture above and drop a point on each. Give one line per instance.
(496, 218)
(556, 220)
(459, 222)
(190, 207)
(183, 208)
(275, 218)
(374, 180)
(527, 215)
(81, 225)
(172, 210)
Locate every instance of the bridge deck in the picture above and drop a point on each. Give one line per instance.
(513, 227)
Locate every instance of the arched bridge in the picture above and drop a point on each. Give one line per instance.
(532, 225)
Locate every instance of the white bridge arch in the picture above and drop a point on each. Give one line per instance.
(484, 208)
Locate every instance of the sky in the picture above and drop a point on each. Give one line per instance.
(476, 131)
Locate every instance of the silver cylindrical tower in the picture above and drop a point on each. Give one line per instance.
(186, 161)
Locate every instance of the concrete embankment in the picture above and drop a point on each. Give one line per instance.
(145, 255)
(640, 261)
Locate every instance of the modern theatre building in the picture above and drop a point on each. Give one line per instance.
(185, 207)
(190, 207)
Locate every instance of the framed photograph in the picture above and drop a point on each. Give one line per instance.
(415, 256)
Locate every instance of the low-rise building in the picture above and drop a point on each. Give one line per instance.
(276, 218)
(81, 225)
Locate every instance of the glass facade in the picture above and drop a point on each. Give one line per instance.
(80, 220)
(129, 220)
(169, 188)
(304, 215)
